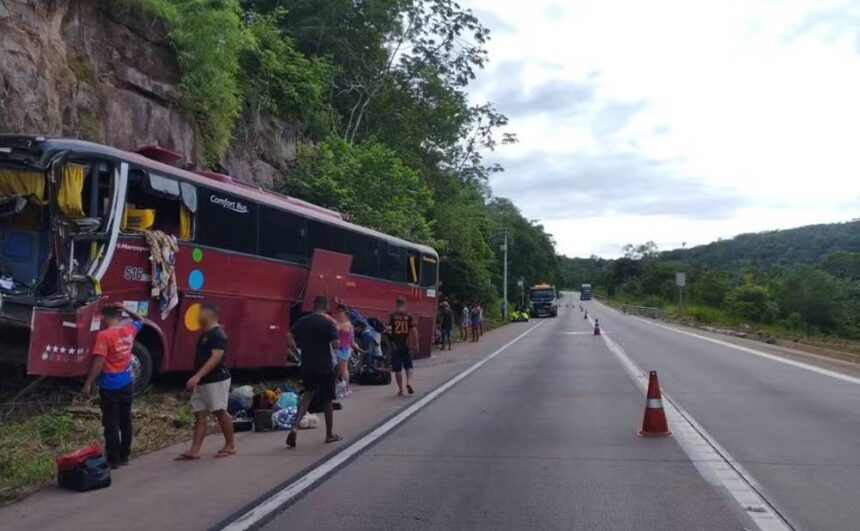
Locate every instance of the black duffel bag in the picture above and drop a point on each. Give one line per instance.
(90, 474)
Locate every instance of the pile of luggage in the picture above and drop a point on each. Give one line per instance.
(270, 409)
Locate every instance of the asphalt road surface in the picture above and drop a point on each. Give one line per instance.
(541, 437)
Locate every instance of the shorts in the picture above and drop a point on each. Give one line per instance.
(401, 359)
(343, 354)
(210, 396)
(321, 385)
(446, 334)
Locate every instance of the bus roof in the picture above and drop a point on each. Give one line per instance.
(249, 191)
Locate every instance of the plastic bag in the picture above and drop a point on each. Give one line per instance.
(309, 421)
(284, 418)
(341, 389)
(244, 396)
(287, 400)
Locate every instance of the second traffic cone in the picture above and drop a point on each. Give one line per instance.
(654, 424)
(597, 327)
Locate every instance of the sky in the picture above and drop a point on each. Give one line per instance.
(677, 121)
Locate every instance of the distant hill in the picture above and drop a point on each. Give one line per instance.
(803, 245)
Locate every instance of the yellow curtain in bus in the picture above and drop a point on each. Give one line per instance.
(184, 223)
(70, 196)
(413, 268)
(26, 183)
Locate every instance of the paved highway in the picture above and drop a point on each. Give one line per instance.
(541, 437)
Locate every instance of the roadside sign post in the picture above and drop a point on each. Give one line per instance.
(680, 281)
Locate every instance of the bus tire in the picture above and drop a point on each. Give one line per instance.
(142, 367)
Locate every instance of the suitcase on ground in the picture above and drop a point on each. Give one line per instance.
(372, 376)
(242, 422)
(84, 469)
(263, 420)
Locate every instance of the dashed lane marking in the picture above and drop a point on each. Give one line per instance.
(260, 513)
(712, 461)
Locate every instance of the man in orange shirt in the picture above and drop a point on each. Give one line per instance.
(112, 368)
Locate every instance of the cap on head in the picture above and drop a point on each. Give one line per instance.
(320, 303)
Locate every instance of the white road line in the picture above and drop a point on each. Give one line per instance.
(712, 461)
(766, 355)
(280, 498)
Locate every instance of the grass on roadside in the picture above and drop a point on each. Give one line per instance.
(30, 442)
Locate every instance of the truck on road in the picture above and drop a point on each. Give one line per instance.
(543, 300)
(585, 292)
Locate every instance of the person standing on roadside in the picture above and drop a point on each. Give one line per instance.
(210, 386)
(317, 337)
(475, 321)
(404, 335)
(465, 323)
(112, 371)
(446, 324)
(480, 321)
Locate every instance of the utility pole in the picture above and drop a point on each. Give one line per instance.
(505, 278)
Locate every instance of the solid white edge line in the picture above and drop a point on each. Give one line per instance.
(280, 498)
(766, 355)
(712, 461)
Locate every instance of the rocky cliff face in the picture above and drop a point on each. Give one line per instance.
(81, 69)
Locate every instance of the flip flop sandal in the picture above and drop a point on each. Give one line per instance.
(186, 457)
(291, 440)
(411, 391)
(224, 453)
(334, 438)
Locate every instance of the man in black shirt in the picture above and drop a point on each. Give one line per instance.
(316, 335)
(210, 385)
(404, 335)
(446, 324)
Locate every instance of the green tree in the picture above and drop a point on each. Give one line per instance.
(367, 182)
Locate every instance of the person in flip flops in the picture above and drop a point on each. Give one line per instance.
(210, 385)
(404, 335)
(316, 335)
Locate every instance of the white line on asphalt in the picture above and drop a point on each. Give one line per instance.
(575, 333)
(714, 463)
(282, 497)
(772, 357)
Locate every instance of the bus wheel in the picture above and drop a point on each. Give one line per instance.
(141, 367)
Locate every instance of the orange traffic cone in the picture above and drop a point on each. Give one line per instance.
(654, 424)
(597, 327)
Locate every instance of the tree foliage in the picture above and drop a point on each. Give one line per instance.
(379, 89)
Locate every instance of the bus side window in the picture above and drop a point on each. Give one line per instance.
(412, 267)
(283, 236)
(428, 271)
(392, 264)
(157, 202)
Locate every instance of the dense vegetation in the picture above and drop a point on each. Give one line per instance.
(378, 88)
(805, 280)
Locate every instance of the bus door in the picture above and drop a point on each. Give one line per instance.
(328, 276)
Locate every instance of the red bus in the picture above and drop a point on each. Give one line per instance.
(72, 216)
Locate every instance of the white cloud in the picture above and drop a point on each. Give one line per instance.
(752, 103)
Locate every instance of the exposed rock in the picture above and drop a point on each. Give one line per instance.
(77, 68)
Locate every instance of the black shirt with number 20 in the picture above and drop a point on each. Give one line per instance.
(401, 324)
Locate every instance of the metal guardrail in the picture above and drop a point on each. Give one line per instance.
(645, 311)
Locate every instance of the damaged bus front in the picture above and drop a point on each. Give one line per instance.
(60, 211)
